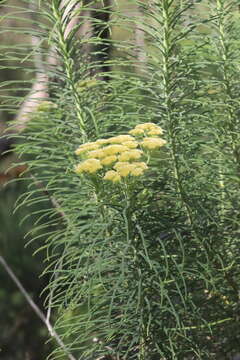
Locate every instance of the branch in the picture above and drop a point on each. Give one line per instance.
(36, 309)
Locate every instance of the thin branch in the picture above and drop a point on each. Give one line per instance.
(36, 309)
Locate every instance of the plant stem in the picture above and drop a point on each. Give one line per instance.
(68, 63)
(168, 46)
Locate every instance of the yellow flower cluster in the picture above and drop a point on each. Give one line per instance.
(123, 153)
(112, 175)
(89, 165)
(130, 155)
(152, 143)
(125, 168)
(148, 129)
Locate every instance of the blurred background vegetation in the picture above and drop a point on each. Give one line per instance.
(22, 333)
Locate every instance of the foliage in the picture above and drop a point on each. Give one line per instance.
(149, 270)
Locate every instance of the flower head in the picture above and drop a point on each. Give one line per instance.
(114, 149)
(146, 126)
(139, 168)
(121, 139)
(156, 131)
(89, 166)
(136, 131)
(147, 129)
(131, 144)
(112, 175)
(97, 154)
(109, 160)
(130, 155)
(152, 143)
(123, 168)
(86, 147)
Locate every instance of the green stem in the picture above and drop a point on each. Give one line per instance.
(168, 55)
(68, 63)
(128, 217)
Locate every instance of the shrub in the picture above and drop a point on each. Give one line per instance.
(142, 267)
